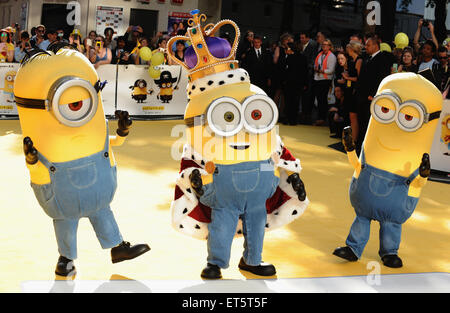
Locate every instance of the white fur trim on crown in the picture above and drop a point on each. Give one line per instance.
(180, 208)
(217, 80)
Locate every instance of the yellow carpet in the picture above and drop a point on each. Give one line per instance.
(146, 175)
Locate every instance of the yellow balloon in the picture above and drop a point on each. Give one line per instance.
(385, 47)
(401, 40)
(145, 53)
(157, 59)
(154, 72)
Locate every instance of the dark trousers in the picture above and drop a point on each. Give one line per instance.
(292, 103)
(363, 121)
(321, 88)
(308, 98)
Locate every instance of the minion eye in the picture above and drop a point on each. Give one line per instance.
(169, 85)
(10, 78)
(383, 113)
(164, 85)
(76, 110)
(448, 124)
(224, 117)
(261, 114)
(408, 121)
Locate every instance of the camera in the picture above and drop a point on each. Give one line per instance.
(426, 23)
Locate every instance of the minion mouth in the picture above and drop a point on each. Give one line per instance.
(240, 146)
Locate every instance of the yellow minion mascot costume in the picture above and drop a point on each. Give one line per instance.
(68, 150)
(394, 164)
(236, 176)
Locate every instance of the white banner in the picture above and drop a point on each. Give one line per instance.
(108, 72)
(8, 73)
(139, 94)
(158, 100)
(440, 151)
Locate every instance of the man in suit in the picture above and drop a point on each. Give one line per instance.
(309, 50)
(374, 69)
(258, 63)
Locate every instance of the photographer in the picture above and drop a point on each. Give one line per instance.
(75, 40)
(429, 25)
(22, 47)
(120, 55)
(99, 54)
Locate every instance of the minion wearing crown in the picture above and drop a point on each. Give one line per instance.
(237, 178)
(68, 150)
(394, 164)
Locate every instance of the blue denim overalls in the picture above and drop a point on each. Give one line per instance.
(238, 190)
(80, 188)
(382, 196)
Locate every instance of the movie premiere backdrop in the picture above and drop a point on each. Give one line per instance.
(164, 97)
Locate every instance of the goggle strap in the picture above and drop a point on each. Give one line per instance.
(31, 103)
(193, 121)
(434, 116)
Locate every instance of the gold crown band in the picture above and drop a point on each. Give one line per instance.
(213, 69)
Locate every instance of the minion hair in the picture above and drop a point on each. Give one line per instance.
(31, 54)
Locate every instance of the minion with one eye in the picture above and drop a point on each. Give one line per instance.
(165, 84)
(68, 150)
(236, 177)
(8, 88)
(139, 91)
(394, 163)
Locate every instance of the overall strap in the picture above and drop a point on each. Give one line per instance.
(363, 157)
(106, 145)
(413, 176)
(44, 160)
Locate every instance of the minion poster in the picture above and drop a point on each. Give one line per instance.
(140, 94)
(440, 151)
(7, 76)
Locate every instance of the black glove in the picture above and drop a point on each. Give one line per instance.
(425, 166)
(298, 186)
(30, 151)
(347, 139)
(196, 182)
(124, 123)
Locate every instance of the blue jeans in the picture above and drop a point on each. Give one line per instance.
(381, 196)
(238, 191)
(80, 188)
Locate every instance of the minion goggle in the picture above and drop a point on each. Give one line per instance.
(226, 116)
(73, 114)
(410, 115)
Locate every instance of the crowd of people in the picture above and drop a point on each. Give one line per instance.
(104, 48)
(304, 72)
(301, 72)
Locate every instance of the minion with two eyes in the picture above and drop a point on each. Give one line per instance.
(394, 164)
(237, 178)
(68, 150)
(166, 88)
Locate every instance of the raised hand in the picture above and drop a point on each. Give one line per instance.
(30, 151)
(425, 166)
(298, 186)
(347, 139)
(124, 123)
(196, 182)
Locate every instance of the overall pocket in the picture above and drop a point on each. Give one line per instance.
(245, 181)
(84, 176)
(381, 186)
(46, 198)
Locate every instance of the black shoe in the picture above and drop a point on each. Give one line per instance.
(125, 251)
(211, 271)
(65, 267)
(392, 260)
(346, 253)
(263, 269)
